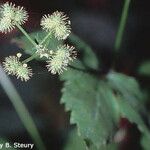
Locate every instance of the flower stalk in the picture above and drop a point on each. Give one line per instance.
(26, 34)
(122, 25)
(21, 110)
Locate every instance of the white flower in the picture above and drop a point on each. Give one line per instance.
(21, 15)
(61, 59)
(57, 23)
(24, 72)
(10, 16)
(6, 13)
(6, 25)
(7, 10)
(13, 66)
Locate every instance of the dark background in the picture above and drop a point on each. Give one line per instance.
(96, 21)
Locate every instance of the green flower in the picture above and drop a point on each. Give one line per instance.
(21, 15)
(13, 66)
(10, 16)
(61, 59)
(57, 23)
(24, 72)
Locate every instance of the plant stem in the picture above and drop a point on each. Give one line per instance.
(35, 54)
(46, 37)
(26, 34)
(21, 110)
(122, 24)
(30, 58)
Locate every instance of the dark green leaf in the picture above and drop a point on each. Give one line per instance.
(127, 87)
(75, 142)
(89, 57)
(144, 69)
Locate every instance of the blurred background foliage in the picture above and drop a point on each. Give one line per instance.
(96, 22)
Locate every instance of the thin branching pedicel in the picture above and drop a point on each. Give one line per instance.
(42, 51)
(57, 25)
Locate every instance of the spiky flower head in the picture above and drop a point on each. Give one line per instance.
(7, 10)
(13, 65)
(21, 15)
(10, 16)
(6, 25)
(24, 72)
(61, 59)
(57, 23)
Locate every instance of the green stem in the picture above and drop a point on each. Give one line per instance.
(26, 34)
(122, 24)
(30, 58)
(21, 110)
(46, 37)
(35, 54)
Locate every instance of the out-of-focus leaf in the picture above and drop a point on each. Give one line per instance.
(144, 69)
(129, 99)
(127, 87)
(132, 114)
(89, 57)
(38, 36)
(145, 140)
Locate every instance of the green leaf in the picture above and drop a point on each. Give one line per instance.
(144, 69)
(128, 88)
(132, 114)
(145, 142)
(129, 99)
(75, 142)
(89, 57)
(88, 99)
(25, 44)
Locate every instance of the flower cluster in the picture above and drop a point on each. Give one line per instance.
(57, 23)
(61, 59)
(13, 66)
(10, 16)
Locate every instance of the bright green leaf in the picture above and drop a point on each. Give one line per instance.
(88, 102)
